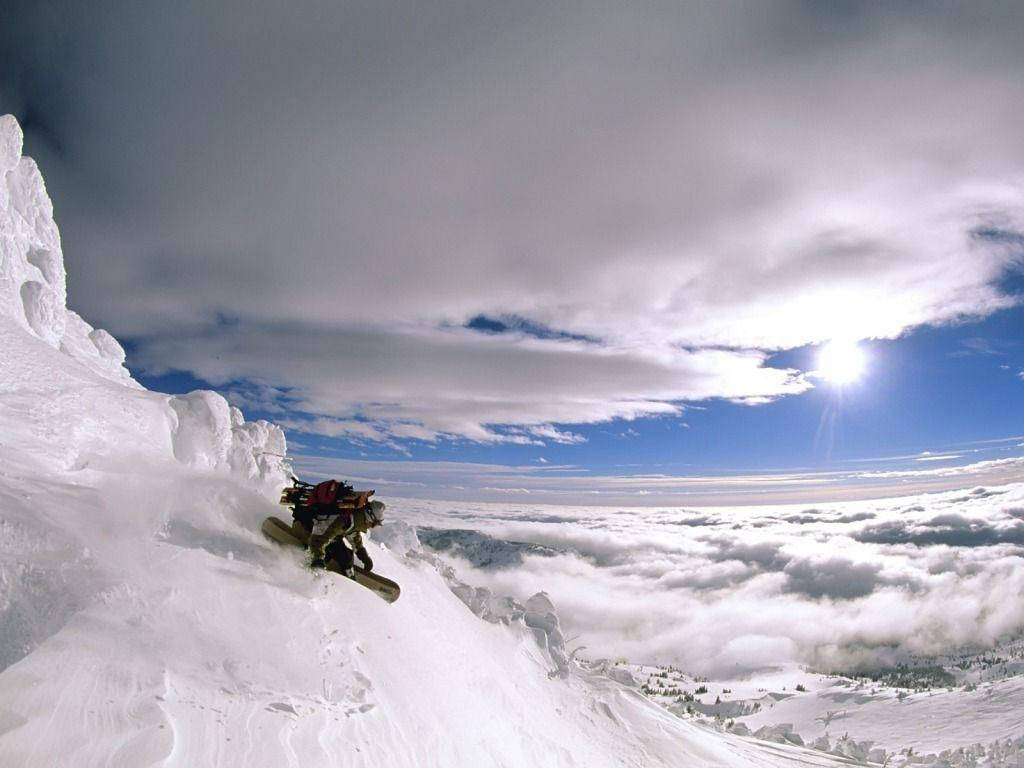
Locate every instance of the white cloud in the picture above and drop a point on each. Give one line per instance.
(745, 585)
(980, 346)
(699, 180)
(1001, 466)
(928, 456)
(548, 432)
(437, 383)
(562, 484)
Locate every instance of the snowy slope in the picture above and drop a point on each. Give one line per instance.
(926, 721)
(145, 621)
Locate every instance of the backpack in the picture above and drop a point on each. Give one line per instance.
(326, 499)
(331, 493)
(325, 493)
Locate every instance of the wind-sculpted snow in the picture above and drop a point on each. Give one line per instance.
(46, 577)
(210, 434)
(33, 289)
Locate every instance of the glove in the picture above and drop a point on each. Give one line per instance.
(365, 557)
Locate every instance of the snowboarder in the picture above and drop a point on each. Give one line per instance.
(343, 537)
(331, 519)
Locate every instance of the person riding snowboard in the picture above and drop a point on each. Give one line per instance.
(343, 538)
(334, 530)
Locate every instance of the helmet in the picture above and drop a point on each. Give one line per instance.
(375, 513)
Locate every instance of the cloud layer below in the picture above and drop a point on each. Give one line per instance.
(715, 590)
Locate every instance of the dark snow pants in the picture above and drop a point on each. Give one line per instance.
(318, 542)
(340, 552)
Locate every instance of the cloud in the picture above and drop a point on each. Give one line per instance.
(548, 432)
(855, 517)
(953, 530)
(318, 197)
(548, 483)
(479, 549)
(763, 554)
(698, 521)
(833, 577)
(705, 576)
(977, 345)
(630, 583)
(429, 384)
(807, 516)
(1008, 465)
(927, 456)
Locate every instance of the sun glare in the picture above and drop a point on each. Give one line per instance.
(841, 362)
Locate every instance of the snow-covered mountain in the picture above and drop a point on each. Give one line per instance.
(144, 620)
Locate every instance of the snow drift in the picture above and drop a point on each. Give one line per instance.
(145, 621)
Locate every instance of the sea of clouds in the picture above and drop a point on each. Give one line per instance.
(723, 590)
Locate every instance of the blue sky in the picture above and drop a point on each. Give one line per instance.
(523, 242)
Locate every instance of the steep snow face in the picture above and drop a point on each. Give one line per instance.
(70, 409)
(145, 621)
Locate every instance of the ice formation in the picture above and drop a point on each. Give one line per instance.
(33, 290)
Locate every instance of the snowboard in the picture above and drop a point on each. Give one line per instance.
(386, 589)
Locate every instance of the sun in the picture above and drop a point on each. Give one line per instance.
(841, 362)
